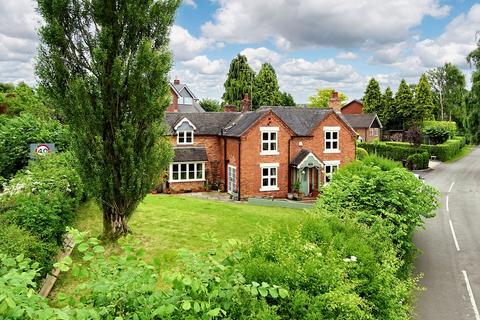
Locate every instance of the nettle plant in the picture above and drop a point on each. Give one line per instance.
(124, 285)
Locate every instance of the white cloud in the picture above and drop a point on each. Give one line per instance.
(301, 23)
(184, 45)
(327, 70)
(203, 65)
(190, 3)
(346, 55)
(389, 54)
(257, 56)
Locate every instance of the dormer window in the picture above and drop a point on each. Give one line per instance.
(185, 130)
(187, 100)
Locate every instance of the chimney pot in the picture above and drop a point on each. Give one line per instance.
(246, 103)
(176, 81)
(334, 102)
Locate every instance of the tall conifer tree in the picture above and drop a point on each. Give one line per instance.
(240, 81)
(266, 92)
(404, 106)
(372, 99)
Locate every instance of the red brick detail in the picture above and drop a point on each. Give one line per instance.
(354, 107)
(173, 107)
(334, 102)
(194, 186)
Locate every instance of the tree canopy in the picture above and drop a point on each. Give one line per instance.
(423, 101)
(210, 105)
(320, 100)
(372, 99)
(106, 64)
(240, 81)
(266, 92)
(472, 118)
(404, 105)
(387, 113)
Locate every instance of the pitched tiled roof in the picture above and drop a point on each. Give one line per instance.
(242, 122)
(207, 123)
(365, 120)
(186, 154)
(190, 108)
(354, 100)
(301, 155)
(301, 120)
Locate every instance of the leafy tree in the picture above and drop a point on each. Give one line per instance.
(423, 101)
(210, 105)
(448, 86)
(388, 110)
(287, 100)
(240, 80)
(22, 98)
(266, 92)
(472, 119)
(320, 100)
(106, 64)
(6, 86)
(404, 106)
(372, 99)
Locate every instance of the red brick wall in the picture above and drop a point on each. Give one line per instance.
(173, 107)
(214, 167)
(250, 162)
(316, 143)
(194, 186)
(353, 108)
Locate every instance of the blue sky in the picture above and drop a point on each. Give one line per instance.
(311, 43)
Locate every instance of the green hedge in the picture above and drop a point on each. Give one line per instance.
(418, 161)
(41, 202)
(439, 131)
(402, 150)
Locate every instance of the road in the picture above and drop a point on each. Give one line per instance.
(450, 244)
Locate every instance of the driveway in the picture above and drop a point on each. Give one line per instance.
(450, 244)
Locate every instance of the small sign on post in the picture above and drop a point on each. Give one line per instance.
(41, 149)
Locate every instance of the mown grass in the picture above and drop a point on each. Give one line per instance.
(165, 223)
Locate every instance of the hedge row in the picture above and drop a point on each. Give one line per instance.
(399, 151)
(36, 207)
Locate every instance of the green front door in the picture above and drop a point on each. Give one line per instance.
(304, 180)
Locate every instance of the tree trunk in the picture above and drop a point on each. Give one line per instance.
(115, 224)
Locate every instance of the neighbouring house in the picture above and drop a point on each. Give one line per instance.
(259, 153)
(367, 126)
(183, 99)
(353, 107)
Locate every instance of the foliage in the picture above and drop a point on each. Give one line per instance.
(394, 198)
(211, 105)
(287, 99)
(388, 110)
(266, 91)
(439, 131)
(38, 203)
(16, 135)
(15, 241)
(320, 100)
(448, 86)
(423, 101)
(372, 98)
(472, 118)
(111, 80)
(396, 152)
(361, 153)
(334, 268)
(240, 80)
(23, 99)
(404, 106)
(418, 161)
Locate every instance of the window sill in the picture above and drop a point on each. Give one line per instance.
(331, 151)
(180, 181)
(263, 189)
(185, 144)
(269, 153)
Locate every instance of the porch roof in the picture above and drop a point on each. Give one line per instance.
(306, 158)
(186, 154)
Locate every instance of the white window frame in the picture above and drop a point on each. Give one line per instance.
(231, 185)
(187, 100)
(269, 166)
(374, 132)
(331, 164)
(195, 171)
(183, 134)
(269, 131)
(331, 130)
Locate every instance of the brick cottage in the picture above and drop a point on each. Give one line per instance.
(258, 153)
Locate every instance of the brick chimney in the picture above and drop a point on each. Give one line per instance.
(230, 108)
(246, 103)
(176, 81)
(334, 102)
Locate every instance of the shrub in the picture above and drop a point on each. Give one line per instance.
(393, 196)
(361, 153)
(418, 161)
(16, 135)
(439, 131)
(43, 198)
(396, 151)
(334, 268)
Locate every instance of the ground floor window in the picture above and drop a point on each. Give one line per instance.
(330, 168)
(269, 178)
(180, 172)
(232, 179)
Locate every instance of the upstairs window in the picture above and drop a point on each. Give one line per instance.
(269, 143)
(187, 100)
(332, 137)
(185, 130)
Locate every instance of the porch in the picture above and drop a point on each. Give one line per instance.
(307, 174)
